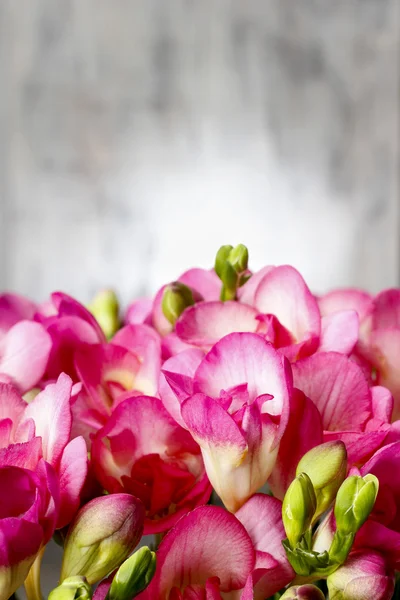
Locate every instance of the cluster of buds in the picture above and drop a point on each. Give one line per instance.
(168, 419)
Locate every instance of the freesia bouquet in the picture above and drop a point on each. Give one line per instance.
(249, 427)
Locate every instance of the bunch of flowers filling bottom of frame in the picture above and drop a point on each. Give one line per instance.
(248, 426)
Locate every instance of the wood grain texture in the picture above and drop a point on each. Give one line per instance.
(138, 135)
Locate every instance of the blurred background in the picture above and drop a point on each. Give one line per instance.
(137, 136)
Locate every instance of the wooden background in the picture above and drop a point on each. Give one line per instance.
(136, 136)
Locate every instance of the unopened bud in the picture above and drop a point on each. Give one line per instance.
(133, 576)
(177, 296)
(103, 535)
(303, 592)
(354, 502)
(105, 308)
(221, 259)
(326, 466)
(72, 588)
(239, 258)
(298, 508)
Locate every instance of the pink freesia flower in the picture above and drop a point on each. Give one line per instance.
(70, 326)
(48, 417)
(364, 575)
(236, 406)
(276, 303)
(207, 555)
(143, 451)
(29, 499)
(111, 371)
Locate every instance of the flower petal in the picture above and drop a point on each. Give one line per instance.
(339, 332)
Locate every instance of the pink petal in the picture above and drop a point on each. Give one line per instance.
(224, 448)
(159, 321)
(284, 293)
(196, 550)
(24, 354)
(145, 343)
(337, 387)
(172, 345)
(51, 412)
(206, 283)
(68, 306)
(346, 299)
(386, 346)
(382, 403)
(247, 292)
(206, 323)
(100, 365)
(386, 310)
(14, 308)
(20, 541)
(139, 311)
(184, 364)
(339, 332)
(72, 475)
(25, 455)
(11, 404)
(303, 432)
(360, 446)
(245, 358)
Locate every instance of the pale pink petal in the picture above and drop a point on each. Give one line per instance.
(339, 332)
(11, 404)
(139, 311)
(184, 364)
(386, 347)
(159, 320)
(382, 403)
(145, 343)
(206, 283)
(247, 292)
(51, 413)
(337, 387)
(172, 345)
(245, 358)
(284, 293)
(24, 354)
(196, 550)
(346, 299)
(224, 448)
(206, 323)
(262, 519)
(303, 432)
(72, 475)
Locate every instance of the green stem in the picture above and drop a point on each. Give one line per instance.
(32, 582)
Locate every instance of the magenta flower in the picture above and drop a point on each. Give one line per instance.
(47, 419)
(236, 406)
(70, 326)
(29, 499)
(143, 451)
(131, 362)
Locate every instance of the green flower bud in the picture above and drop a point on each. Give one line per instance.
(298, 508)
(326, 466)
(105, 308)
(303, 592)
(133, 576)
(177, 296)
(354, 502)
(102, 536)
(72, 588)
(239, 258)
(221, 259)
